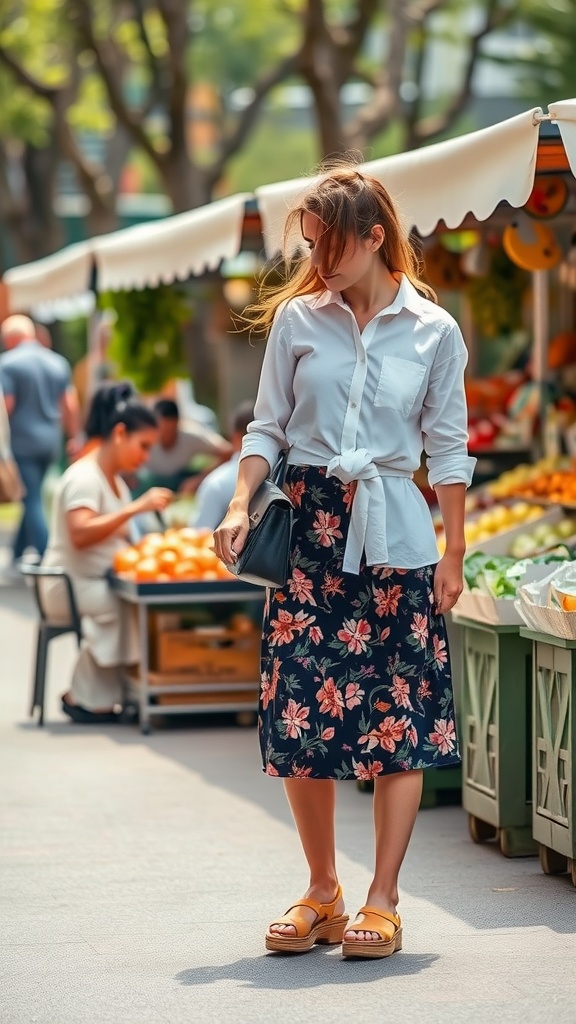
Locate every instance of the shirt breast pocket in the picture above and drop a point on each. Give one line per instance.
(399, 384)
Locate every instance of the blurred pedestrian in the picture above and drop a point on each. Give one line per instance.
(91, 520)
(170, 460)
(217, 488)
(41, 402)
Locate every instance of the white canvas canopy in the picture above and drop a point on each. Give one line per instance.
(445, 181)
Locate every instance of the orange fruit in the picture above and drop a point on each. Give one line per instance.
(146, 569)
(206, 558)
(167, 561)
(187, 570)
(569, 602)
(210, 576)
(126, 559)
(188, 535)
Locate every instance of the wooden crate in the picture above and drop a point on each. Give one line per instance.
(210, 654)
(247, 697)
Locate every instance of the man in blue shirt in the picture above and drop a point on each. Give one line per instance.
(40, 401)
(216, 490)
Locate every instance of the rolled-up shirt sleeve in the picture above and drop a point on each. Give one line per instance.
(445, 416)
(266, 434)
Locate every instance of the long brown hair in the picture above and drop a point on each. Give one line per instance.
(349, 203)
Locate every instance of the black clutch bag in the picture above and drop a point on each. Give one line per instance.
(265, 558)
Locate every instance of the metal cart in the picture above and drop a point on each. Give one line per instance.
(156, 597)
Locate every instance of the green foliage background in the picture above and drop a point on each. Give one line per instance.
(147, 342)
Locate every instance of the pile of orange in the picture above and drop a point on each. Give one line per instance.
(177, 554)
(559, 487)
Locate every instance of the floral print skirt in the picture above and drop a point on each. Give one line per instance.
(355, 669)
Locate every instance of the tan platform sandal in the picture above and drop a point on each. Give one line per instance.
(327, 928)
(374, 948)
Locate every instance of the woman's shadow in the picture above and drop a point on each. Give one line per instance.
(276, 971)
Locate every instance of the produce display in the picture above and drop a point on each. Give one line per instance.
(558, 487)
(509, 484)
(500, 576)
(177, 554)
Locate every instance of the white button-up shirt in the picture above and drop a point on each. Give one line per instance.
(365, 404)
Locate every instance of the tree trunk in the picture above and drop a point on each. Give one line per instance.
(318, 65)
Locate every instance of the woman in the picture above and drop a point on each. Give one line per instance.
(361, 372)
(92, 511)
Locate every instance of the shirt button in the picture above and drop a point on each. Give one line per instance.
(352, 405)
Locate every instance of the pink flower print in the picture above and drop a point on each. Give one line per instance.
(370, 739)
(300, 773)
(440, 652)
(295, 716)
(390, 732)
(268, 685)
(424, 689)
(316, 634)
(331, 700)
(419, 628)
(301, 587)
(349, 490)
(387, 600)
(400, 691)
(353, 695)
(367, 772)
(332, 585)
(284, 628)
(267, 691)
(444, 735)
(295, 492)
(354, 635)
(328, 734)
(325, 527)
(270, 770)
(412, 735)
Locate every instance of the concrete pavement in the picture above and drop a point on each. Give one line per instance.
(138, 876)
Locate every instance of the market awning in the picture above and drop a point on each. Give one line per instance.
(564, 112)
(170, 249)
(62, 275)
(445, 181)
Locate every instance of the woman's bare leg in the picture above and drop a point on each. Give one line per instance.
(396, 803)
(313, 802)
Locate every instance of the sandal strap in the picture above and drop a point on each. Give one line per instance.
(386, 914)
(323, 911)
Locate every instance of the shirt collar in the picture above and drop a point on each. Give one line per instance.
(407, 298)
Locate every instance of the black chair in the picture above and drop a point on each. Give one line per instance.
(48, 630)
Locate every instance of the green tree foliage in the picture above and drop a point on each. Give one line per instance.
(147, 342)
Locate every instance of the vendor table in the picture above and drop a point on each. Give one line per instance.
(496, 742)
(149, 597)
(554, 751)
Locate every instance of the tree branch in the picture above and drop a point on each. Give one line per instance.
(23, 76)
(433, 126)
(173, 14)
(156, 89)
(105, 56)
(235, 138)
(386, 100)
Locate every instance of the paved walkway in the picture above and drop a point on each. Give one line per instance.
(138, 875)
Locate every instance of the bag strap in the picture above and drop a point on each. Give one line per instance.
(278, 474)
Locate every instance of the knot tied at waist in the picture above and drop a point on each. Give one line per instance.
(367, 530)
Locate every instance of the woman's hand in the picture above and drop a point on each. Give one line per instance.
(154, 500)
(230, 536)
(448, 582)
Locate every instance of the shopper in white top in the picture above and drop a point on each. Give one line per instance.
(362, 372)
(90, 523)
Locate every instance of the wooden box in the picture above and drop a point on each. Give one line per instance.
(210, 654)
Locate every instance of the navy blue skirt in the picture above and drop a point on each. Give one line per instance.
(356, 676)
